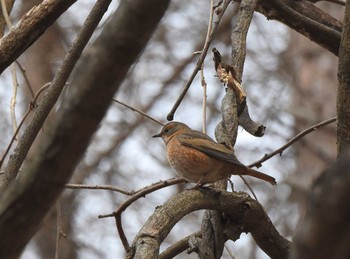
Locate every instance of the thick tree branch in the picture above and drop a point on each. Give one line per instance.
(343, 94)
(29, 29)
(233, 103)
(96, 78)
(240, 208)
(51, 96)
(307, 19)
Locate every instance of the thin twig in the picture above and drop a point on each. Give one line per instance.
(31, 106)
(290, 142)
(203, 82)
(119, 225)
(99, 187)
(198, 66)
(128, 202)
(204, 85)
(139, 111)
(5, 13)
(58, 228)
(142, 192)
(13, 72)
(250, 188)
(24, 73)
(14, 136)
(43, 88)
(14, 97)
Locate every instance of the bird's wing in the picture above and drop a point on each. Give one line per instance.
(208, 146)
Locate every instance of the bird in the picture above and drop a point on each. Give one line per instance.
(197, 158)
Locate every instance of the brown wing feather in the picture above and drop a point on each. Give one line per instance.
(208, 146)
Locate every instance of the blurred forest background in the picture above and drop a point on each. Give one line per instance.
(291, 85)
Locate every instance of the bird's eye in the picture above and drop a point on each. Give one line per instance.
(166, 130)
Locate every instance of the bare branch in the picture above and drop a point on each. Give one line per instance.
(343, 94)
(178, 247)
(51, 96)
(307, 19)
(139, 111)
(240, 207)
(30, 28)
(198, 66)
(293, 140)
(141, 193)
(24, 73)
(31, 107)
(98, 187)
(203, 82)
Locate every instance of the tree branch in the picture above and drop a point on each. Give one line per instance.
(307, 19)
(200, 61)
(293, 140)
(51, 96)
(29, 29)
(137, 195)
(239, 207)
(233, 103)
(97, 76)
(98, 187)
(343, 94)
(178, 247)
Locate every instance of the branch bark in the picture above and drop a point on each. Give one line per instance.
(305, 18)
(96, 78)
(51, 96)
(343, 94)
(233, 103)
(29, 29)
(247, 214)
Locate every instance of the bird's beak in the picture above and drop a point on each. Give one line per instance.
(157, 135)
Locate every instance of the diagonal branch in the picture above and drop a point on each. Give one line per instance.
(97, 77)
(307, 19)
(293, 140)
(343, 93)
(29, 29)
(51, 96)
(198, 66)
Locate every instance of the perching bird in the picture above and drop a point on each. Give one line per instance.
(199, 159)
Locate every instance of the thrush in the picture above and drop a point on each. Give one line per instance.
(199, 159)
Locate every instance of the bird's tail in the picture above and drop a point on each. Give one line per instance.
(260, 175)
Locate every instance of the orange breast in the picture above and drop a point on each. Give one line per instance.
(192, 164)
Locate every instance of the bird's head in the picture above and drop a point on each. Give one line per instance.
(171, 129)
